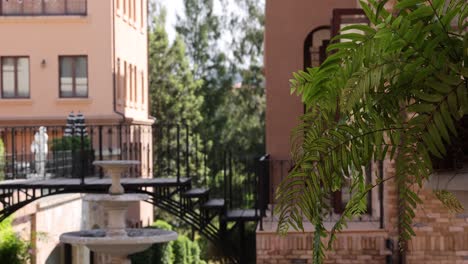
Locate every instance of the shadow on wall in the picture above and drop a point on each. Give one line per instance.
(55, 256)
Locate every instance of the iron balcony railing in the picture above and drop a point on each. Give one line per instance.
(43, 7)
(165, 150)
(180, 152)
(24, 155)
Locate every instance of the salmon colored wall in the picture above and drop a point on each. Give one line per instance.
(48, 37)
(287, 25)
(45, 38)
(131, 53)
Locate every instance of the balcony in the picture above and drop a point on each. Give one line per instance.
(43, 7)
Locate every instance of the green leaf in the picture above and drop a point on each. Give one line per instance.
(421, 108)
(431, 146)
(364, 28)
(341, 45)
(439, 87)
(440, 124)
(431, 98)
(436, 138)
(453, 105)
(350, 36)
(421, 12)
(462, 98)
(408, 3)
(368, 11)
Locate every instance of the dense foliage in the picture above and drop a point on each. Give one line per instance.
(13, 250)
(393, 91)
(232, 81)
(175, 94)
(210, 78)
(181, 251)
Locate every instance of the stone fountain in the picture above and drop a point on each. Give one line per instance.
(116, 240)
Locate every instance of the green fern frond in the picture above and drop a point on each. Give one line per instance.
(401, 86)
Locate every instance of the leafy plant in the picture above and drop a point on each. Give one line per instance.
(181, 251)
(13, 250)
(393, 91)
(70, 143)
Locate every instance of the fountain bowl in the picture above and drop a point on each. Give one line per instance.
(136, 240)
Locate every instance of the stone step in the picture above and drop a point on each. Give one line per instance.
(196, 193)
(214, 204)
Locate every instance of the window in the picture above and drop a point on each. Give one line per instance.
(119, 80)
(15, 77)
(142, 9)
(125, 84)
(143, 88)
(73, 76)
(42, 7)
(135, 85)
(134, 10)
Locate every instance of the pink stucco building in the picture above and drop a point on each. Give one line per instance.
(84, 56)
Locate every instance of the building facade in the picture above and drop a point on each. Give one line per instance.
(296, 36)
(81, 56)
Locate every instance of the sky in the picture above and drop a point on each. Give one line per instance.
(174, 8)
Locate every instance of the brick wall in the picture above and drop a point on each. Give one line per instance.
(296, 248)
(441, 236)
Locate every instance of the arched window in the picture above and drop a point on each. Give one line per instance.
(315, 46)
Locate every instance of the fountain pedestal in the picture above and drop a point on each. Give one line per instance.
(115, 239)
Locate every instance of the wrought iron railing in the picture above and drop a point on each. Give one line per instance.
(180, 152)
(274, 171)
(168, 150)
(43, 7)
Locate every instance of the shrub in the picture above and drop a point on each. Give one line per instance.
(70, 143)
(181, 251)
(13, 250)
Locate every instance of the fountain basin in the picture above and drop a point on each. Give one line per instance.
(135, 240)
(116, 199)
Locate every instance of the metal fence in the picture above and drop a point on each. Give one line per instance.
(27, 154)
(168, 150)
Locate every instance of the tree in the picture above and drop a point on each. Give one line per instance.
(174, 91)
(394, 91)
(219, 68)
(245, 107)
(176, 101)
(201, 30)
